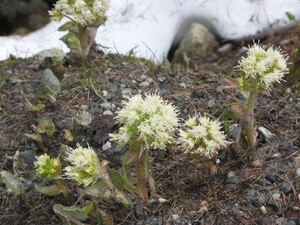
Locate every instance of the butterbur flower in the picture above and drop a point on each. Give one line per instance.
(84, 12)
(149, 120)
(201, 136)
(85, 166)
(47, 168)
(265, 67)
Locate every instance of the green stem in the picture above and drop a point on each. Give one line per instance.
(249, 126)
(64, 188)
(143, 167)
(83, 38)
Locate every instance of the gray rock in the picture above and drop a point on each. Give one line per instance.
(198, 41)
(50, 82)
(286, 187)
(106, 106)
(23, 16)
(55, 53)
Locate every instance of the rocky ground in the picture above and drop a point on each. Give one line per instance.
(261, 187)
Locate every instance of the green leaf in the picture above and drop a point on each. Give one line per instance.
(71, 39)
(70, 215)
(84, 118)
(297, 53)
(67, 26)
(116, 179)
(102, 217)
(100, 191)
(37, 107)
(12, 182)
(52, 190)
(46, 125)
(290, 16)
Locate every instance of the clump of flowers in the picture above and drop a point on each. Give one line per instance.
(50, 169)
(147, 123)
(202, 136)
(84, 166)
(149, 120)
(85, 169)
(262, 68)
(85, 17)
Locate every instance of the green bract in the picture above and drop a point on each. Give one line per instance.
(47, 168)
(201, 136)
(149, 120)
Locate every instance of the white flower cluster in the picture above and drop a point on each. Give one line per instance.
(84, 12)
(85, 166)
(149, 120)
(265, 66)
(201, 136)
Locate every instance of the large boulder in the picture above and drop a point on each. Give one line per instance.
(23, 16)
(198, 41)
(8, 16)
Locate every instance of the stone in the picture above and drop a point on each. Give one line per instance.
(8, 16)
(55, 53)
(50, 82)
(198, 41)
(23, 16)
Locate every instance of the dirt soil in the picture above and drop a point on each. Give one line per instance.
(268, 177)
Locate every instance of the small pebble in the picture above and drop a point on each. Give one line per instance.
(104, 93)
(105, 106)
(225, 48)
(143, 77)
(263, 210)
(106, 146)
(276, 196)
(230, 174)
(175, 216)
(182, 85)
(203, 209)
(298, 172)
(149, 80)
(296, 161)
(257, 163)
(108, 112)
(161, 79)
(286, 187)
(162, 200)
(144, 84)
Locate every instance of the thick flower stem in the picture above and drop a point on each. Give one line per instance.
(143, 168)
(84, 39)
(249, 126)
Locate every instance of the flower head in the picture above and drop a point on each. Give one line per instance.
(150, 120)
(202, 136)
(264, 66)
(47, 168)
(85, 166)
(84, 12)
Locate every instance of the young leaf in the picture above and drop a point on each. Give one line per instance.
(52, 190)
(70, 215)
(241, 113)
(46, 125)
(68, 25)
(36, 108)
(12, 182)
